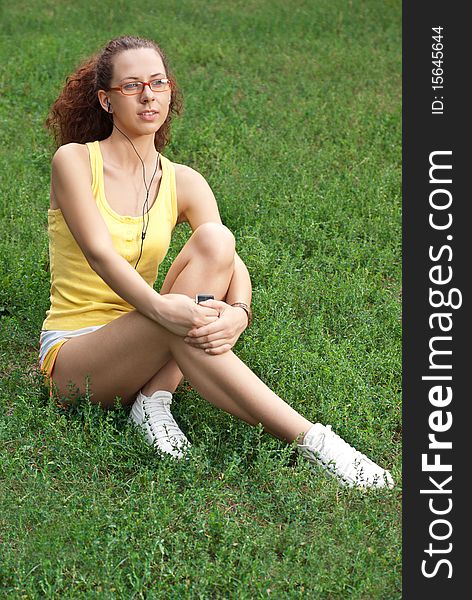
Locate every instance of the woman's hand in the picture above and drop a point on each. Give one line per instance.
(180, 314)
(221, 335)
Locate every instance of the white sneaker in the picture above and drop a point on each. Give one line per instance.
(152, 414)
(352, 468)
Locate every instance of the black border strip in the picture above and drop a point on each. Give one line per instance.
(442, 131)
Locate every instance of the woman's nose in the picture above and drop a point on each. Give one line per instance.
(147, 93)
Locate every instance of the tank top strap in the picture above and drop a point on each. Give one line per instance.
(171, 188)
(96, 165)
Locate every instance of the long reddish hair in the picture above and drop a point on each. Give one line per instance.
(77, 116)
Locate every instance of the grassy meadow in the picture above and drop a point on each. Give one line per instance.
(293, 115)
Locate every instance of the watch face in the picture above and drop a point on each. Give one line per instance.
(202, 297)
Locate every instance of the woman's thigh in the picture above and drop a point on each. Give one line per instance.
(116, 360)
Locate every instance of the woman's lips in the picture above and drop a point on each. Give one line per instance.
(148, 115)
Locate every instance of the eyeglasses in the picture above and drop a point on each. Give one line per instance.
(137, 87)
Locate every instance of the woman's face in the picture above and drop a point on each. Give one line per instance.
(143, 113)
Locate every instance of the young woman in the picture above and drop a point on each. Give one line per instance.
(115, 200)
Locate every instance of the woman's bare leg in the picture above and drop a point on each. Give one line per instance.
(210, 253)
(220, 377)
(118, 355)
(185, 276)
(168, 378)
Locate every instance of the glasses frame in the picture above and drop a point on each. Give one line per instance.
(119, 88)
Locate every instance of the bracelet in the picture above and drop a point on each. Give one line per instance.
(247, 310)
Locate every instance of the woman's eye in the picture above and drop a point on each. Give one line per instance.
(157, 83)
(131, 86)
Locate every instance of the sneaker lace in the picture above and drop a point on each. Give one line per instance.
(343, 458)
(160, 419)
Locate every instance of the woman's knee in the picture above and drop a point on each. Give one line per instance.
(215, 242)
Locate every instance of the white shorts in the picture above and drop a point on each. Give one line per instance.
(48, 339)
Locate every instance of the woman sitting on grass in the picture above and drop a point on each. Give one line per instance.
(115, 200)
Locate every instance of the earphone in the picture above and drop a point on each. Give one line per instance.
(109, 108)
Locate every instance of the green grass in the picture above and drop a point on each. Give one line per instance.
(293, 115)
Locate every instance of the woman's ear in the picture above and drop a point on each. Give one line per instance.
(104, 101)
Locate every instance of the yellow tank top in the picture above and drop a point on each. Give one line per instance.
(79, 297)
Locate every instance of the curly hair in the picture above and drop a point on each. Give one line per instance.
(77, 116)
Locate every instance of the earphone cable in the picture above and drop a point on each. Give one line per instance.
(148, 189)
